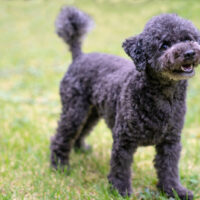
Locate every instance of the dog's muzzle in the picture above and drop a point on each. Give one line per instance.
(179, 61)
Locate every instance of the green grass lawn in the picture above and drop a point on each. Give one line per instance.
(32, 62)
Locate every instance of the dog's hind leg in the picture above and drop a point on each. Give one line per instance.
(80, 145)
(75, 110)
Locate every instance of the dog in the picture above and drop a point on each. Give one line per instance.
(143, 100)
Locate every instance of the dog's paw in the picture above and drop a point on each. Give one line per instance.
(179, 191)
(186, 195)
(85, 148)
(123, 187)
(61, 165)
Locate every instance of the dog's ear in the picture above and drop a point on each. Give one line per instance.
(134, 47)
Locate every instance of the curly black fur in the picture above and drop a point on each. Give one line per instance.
(72, 25)
(142, 103)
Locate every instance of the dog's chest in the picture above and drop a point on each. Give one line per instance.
(155, 117)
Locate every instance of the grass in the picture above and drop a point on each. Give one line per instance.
(32, 62)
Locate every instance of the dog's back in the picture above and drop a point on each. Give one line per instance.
(96, 75)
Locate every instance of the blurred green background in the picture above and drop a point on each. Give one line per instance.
(32, 62)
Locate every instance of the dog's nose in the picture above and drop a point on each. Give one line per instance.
(189, 54)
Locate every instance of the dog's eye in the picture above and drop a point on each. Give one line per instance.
(186, 39)
(164, 46)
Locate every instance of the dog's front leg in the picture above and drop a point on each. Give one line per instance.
(120, 171)
(166, 164)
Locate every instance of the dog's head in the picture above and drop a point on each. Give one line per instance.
(168, 45)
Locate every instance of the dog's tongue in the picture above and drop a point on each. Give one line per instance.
(187, 68)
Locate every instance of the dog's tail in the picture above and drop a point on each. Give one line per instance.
(72, 25)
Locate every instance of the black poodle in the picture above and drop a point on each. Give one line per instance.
(143, 103)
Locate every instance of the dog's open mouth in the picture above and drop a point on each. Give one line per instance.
(188, 68)
(185, 69)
